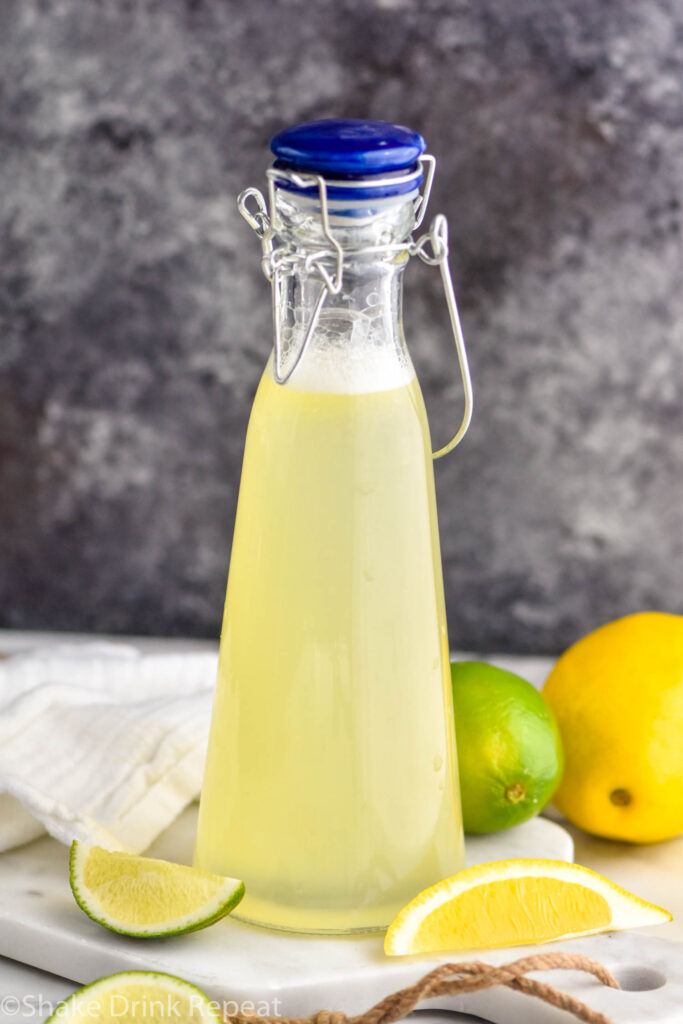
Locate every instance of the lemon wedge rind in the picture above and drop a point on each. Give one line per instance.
(406, 934)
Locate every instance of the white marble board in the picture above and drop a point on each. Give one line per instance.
(41, 925)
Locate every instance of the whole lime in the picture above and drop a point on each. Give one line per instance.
(509, 748)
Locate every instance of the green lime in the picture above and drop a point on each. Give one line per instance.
(509, 748)
(137, 997)
(146, 897)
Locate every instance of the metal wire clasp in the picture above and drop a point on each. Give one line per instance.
(431, 248)
(278, 264)
(437, 239)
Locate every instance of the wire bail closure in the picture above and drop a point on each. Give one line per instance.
(432, 248)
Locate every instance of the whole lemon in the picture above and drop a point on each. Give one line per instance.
(509, 746)
(618, 698)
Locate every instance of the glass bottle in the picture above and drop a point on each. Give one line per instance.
(331, 777)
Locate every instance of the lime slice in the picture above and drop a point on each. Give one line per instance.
(145, 897)
(512, 902)
(137, 996)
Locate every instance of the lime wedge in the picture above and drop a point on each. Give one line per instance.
(145, 897)
(137, 996)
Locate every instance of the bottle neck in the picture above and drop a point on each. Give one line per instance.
(358, 343)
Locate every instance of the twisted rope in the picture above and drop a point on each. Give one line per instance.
(457, 979)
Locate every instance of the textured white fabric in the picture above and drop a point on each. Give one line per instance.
(101, 742)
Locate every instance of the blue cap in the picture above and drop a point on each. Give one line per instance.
(349, 154)
(338, 147)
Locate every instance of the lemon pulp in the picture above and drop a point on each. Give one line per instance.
(513, 902)
(489, 915)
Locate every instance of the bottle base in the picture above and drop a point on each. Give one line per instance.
(303, 930)
(313, 920)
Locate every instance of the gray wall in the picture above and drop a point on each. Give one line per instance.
(135, 320)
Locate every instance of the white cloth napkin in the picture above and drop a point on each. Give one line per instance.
(101, 742)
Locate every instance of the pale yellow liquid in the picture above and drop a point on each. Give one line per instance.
(330, 782)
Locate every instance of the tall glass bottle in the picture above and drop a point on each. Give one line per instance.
(331, 777)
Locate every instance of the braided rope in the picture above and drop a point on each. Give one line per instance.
(472, 976)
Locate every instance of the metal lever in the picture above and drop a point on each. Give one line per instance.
(331, 284)
(277, 263)
(438, 239)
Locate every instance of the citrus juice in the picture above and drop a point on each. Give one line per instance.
(330, 784)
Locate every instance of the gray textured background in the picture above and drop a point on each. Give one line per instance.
(135, 321)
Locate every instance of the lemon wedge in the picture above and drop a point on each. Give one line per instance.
(512, 903)
(146, 897)
(136, 996)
